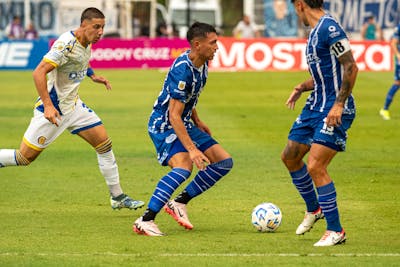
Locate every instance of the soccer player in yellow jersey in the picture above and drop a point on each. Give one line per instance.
(59, 107)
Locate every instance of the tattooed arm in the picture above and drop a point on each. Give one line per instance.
(334, 117)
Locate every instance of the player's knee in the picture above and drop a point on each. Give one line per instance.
(315, 169)
(228, 163)
(283, 156)
(287, 159)
(224, 165)
(21, 159)
(104, 147)
(181, 161)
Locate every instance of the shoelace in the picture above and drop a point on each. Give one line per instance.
(325, 236)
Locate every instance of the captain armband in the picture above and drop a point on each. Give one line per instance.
(340, 47)
(89, 72)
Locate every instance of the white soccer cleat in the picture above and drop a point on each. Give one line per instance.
(178, 212)
(310, 218)
(385, 114)
(148, 228)
(125, 201)
(331, 238)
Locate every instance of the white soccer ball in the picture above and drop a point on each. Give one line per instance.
(266, 217)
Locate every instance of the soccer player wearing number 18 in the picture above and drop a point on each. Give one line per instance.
(321, 128)
(59, 107)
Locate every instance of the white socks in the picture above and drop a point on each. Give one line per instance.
(109, 169)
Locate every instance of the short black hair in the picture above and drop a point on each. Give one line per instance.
(313, 3)
(91, 13)
(199, 29)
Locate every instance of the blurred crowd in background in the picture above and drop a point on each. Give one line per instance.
(170, 18)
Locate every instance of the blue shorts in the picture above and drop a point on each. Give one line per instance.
(168, 144)
(310, 128)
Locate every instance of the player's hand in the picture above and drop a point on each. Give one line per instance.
(199, 159)
(294, 96)
(100, 79)
(52, 115)
(334, 117)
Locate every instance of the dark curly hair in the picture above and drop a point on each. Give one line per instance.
(199, 29)
(313, 3)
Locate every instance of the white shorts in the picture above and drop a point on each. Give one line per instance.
(41, 133)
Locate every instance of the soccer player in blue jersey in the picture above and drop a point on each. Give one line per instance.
(321, 128)
(395, 44)
(59, 107)
(181, 139)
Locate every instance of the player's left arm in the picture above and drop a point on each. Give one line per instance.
(341, 49)
(98, 79)
(199, 123)
(175, 111)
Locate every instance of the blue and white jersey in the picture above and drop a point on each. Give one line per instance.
(327, 42)
(183, 82)
(70, 60)
(396, 35)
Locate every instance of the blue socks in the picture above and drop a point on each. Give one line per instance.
(326, 197)
(304, 184)
(390, 95)
(166, 187)
(208, 177)
(201, 182)
(327, 201)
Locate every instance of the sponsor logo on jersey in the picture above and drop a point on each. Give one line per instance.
(171, 138)
(334, 32)
(77, 75)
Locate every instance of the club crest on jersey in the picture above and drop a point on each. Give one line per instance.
(181, 85)
(41, 140)
(59, 46)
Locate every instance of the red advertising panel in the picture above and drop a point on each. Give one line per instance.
(289, 54)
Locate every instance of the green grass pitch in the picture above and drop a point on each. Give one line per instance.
(56, 212)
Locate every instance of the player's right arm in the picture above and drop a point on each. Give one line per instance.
(39, 77)
(394, 42)
(176, 108)
(308, 85)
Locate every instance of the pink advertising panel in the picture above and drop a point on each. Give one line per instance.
(137, 53)
(262, 54)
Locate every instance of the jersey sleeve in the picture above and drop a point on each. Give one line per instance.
(337, 39)
(180, 83)
(57, 55)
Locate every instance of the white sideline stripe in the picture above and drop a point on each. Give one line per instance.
(13, 254)
(282, 255)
